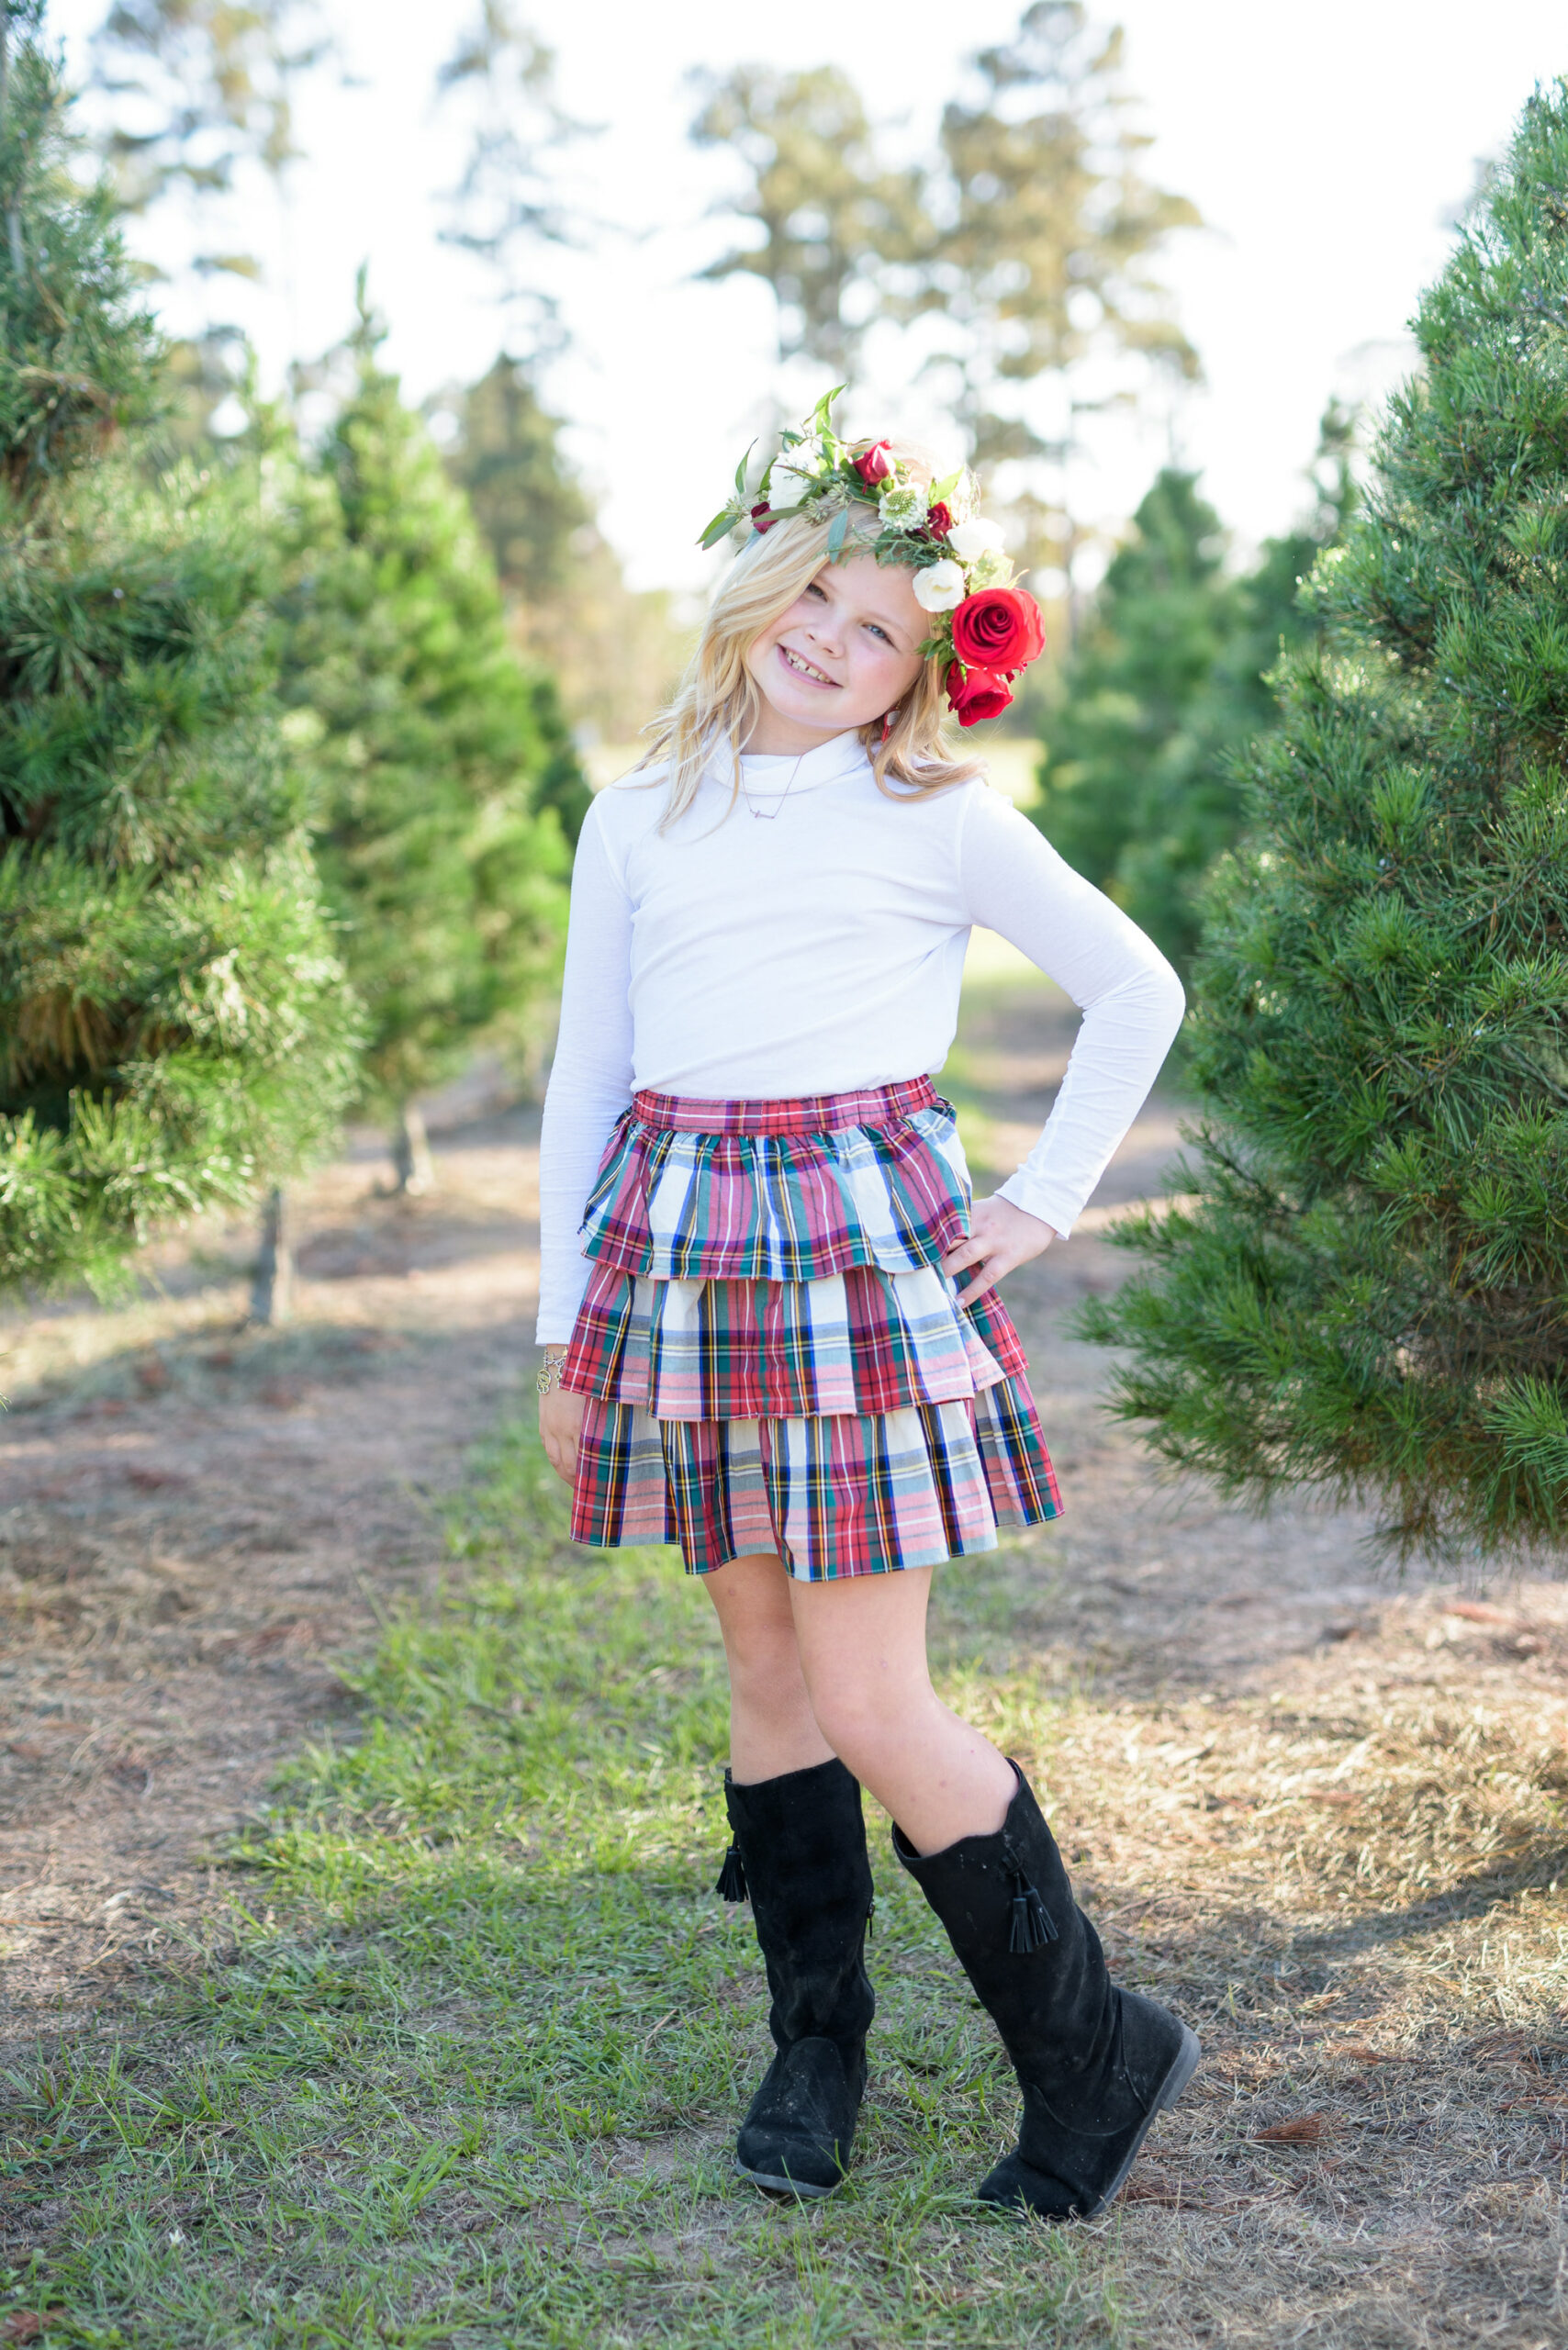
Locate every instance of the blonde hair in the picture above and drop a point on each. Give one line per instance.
(718, 701)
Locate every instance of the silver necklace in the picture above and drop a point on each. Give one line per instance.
(771, 815)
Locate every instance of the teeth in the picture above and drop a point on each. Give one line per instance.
(805, 667)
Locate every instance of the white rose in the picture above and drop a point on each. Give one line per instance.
(969, 541)
(785, 487)
(939, 586)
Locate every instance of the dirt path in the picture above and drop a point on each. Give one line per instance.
(196, 1520)
(198, 1525)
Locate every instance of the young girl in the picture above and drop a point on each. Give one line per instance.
(755, 1207)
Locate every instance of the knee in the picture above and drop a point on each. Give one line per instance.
(860, 1725)
(763, 1658)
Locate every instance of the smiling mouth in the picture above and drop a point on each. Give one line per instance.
(803, 668)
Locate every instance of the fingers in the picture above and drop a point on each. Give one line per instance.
(985, 1278)
(561, 1451)
(991, 1267)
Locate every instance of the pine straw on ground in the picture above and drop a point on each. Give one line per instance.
(468, 2071)
(1360, 1907)
(457, 2058)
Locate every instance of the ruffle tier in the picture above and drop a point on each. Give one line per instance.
(831, 1497)
(772, 1356)
(860, 1341)
(676, 1205)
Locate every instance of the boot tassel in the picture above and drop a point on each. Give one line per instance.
(1032, 1926)
(732, 1877)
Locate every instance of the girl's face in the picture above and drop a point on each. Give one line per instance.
(846, 651)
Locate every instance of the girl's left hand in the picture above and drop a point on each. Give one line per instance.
(1001, 1238)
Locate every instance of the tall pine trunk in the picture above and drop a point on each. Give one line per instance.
(411, 1160)
(272, 1290)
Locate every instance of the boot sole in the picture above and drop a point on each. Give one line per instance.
(1175, 2081)
(782, 2184)
(1170, 2088)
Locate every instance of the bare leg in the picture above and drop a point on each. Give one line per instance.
(772, 1727)
(861, 1643)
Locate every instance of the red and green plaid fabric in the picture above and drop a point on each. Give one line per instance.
(858, 1341)
(771, 1354)
(780, 1191)
(831, 1496)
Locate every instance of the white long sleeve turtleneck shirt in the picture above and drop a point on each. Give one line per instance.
(818, 948)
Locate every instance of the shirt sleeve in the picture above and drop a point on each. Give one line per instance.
(590, 1078)
(1015, 882)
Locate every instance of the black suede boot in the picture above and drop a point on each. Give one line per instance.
(800, 1853)
(1096, 2062)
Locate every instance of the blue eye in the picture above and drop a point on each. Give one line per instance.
(879, 631)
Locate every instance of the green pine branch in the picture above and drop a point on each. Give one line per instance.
(1370, 1296)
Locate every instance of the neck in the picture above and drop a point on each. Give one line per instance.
(782, 738)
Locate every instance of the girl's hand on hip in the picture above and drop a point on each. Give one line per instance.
(560, 1425)
(1001, 1238)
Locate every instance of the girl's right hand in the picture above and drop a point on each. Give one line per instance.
(560, 1424)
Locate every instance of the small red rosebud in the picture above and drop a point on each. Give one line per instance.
(939, 521)
(875, 464)
(763, 517)
(977, 694)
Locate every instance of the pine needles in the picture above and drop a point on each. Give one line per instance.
(1371, 1294)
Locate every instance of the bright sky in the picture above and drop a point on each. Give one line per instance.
(1324, 147)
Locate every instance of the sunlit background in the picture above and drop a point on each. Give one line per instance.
(1326, 151)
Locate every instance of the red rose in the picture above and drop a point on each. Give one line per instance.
(939, 521)
(974, 694)
(763, 518)
(875, 464)
(1000, 627)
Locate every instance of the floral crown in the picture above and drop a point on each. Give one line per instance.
(983, 628)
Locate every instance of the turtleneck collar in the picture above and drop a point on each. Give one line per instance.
(765, 772)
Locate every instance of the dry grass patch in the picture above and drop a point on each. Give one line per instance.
(1357, 1899)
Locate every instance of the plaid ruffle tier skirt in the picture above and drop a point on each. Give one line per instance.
(773, 1358)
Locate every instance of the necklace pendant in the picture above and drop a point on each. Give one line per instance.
(771, 815)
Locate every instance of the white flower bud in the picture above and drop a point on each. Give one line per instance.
(939, 586)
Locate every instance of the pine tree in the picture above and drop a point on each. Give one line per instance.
(173, 1026)
(1146, 653)
(614, 652)
(506, 456)
(442, 772)
(511, 201)
(832, 215)
(1371, 1296)
(1026, 249)
(196, 91)
(1165, 688)
(1047, 256)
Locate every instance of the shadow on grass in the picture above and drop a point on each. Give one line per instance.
(224, 1362)
(467, 2069)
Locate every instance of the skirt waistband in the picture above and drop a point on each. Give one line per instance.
(810, 1113)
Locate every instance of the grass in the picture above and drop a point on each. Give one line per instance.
(468, 2068)
(464, 2066)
